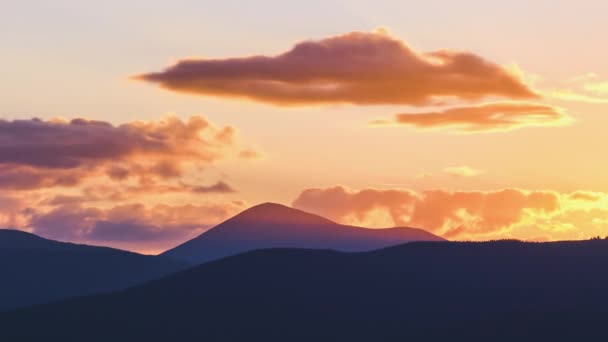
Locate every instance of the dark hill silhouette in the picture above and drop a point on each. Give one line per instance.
(17, 239)
(421, 291)
(272, 225)
(34, 270)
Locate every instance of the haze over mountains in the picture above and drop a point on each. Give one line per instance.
(425, 291)
(34, 270)
(272, 225)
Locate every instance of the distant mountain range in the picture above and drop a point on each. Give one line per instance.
(421, 291)
(324, 284)
(272, 225)
(34, 270)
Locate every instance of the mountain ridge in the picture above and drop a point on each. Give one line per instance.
(463, 291)
(35, 270)
(272, 225)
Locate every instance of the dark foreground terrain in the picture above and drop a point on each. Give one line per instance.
(34, 270)
(423, 291)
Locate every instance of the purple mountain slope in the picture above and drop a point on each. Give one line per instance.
(272, 225)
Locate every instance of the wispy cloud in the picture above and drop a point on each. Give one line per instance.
(463, 171)
(489, 117)
(589, 88)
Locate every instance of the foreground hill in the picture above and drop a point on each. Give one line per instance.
(276, 226)
(34, 270)
(424, 291)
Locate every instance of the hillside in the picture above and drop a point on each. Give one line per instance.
(272, 225)
(426, 291)
(34, 270)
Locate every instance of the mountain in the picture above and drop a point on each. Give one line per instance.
(272, 225)
(34, 270)
(421, 291)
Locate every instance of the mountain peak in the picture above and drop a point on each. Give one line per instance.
(278, 213)
(272, 225)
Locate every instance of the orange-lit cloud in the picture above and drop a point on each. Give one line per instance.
(486, 117)
(358, 67)
(586, 196)
(13, 211)
(468, 215)
(463, 171)
(250, 154)
(77, 180)
(219, 187)
(476, 215)
(447, 213)
(570, 95)
(589, 88)
(38, 154)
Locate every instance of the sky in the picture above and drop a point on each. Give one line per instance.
(140, 124)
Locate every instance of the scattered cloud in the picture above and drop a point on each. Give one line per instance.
(585, 196)
(589, 88)
(463, 171)
(250, 154)
(467, 215)
(219, 187)
(13, 211)
(131, 226)
(93, 182)
(359, 67)
(38, 154)
(568, 95)
(501, 116)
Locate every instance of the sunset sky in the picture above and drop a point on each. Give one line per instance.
(140, 124)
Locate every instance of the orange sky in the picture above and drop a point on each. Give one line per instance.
(477, 122)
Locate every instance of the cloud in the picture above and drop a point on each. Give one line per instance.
(451, 214)
(77, 180)
(13, 211)
(569, 95)
(585, 196)
(250, 154)
(219, 187)
(463, 171)
(342, 204)
(482, 118)
(589, 88)
(131, 226)
(598, 88)
(467, 215)
(41, 154)
(358, 67)
(23, 177)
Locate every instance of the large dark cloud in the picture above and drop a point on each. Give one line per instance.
(486, 117)
(358, 67)
(39, 154)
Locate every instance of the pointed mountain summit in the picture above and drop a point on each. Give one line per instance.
(271, 225)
